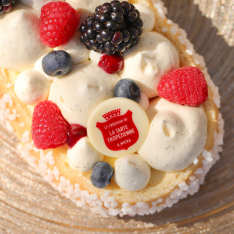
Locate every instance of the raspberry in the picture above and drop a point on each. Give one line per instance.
(111, 64)
(49, 128)
(186, 86)
(58, 23)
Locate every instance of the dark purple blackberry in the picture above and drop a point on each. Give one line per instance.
(113, 28)
(6, 5)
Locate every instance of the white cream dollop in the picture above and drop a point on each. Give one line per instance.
(149, 60)
(176, 137)
(76, 49)
(83, 156)
(81, 90)
(132, 172)
(37, 4)
(31, 87)
(20, 39)
(147, 15)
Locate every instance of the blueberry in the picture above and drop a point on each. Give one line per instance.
(128, 88)
(101, 174)
(57, 63)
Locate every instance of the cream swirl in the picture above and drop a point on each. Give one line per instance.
(176, 137)
(149, 60)
(81, 90)
(20, 39)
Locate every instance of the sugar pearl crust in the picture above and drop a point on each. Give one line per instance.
(106, 204)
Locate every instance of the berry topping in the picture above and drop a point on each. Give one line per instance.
(58, 23)
(6, 5)
(111, 64)
(116, 23)
(128, 88)
(49, 128)
(185, 86)
(75, 133)
(101, 174)
(57, 63)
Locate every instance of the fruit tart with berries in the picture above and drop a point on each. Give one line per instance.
(112, 105)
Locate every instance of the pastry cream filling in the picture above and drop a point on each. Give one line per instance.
(176, 137)
(81, 90)
(149, 60)
(20, 47)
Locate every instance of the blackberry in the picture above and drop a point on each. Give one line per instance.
(113, 28)
(6, 5)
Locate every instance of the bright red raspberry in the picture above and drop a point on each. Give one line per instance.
(49, 128)
(111, 64)
(186, 86)
(58, 23)
(75, 133)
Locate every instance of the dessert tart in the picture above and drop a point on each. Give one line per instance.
(111, 103)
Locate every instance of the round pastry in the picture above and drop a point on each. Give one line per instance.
(112, 105)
